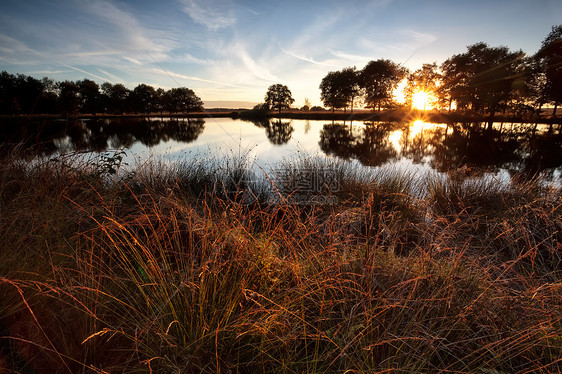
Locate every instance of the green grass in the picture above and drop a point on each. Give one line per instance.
(171, 268)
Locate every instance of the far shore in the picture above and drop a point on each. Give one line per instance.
(358, 115)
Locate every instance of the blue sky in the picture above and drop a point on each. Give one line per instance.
(232, 50)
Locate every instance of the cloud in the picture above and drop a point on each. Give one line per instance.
(113, 77)
(350, 57)
(213, 14)
(17, 52)
(132, 36)
(307, 59)
(189, 58)
(92, 53)
(259, 70)
(133, 60)
(418, 36)
(162, 71)
(48, 72)
(87, 73)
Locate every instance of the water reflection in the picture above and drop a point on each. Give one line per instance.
(278, 132)
(369, 143)
(513, 147)
(97, 135)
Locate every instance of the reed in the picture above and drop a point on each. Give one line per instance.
(171, 268)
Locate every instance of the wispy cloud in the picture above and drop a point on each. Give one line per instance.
(48, 72)
(12, 44)
(213, 14)
(132, 60)
(308, 59)
(418, 36)
(92, 53)
(350, 57)
(114, 78)
(252, 11)
(163, 71)
(237, 54)
(189, 58)
(87, 73)
(132, 35)
(17, 52)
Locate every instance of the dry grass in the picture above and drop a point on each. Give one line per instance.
(173, 269)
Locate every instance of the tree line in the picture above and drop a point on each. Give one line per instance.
(484, 79)
(21, 94)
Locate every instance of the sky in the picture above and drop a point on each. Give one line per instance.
(231, 51)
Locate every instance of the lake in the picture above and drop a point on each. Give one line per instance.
(417, 147)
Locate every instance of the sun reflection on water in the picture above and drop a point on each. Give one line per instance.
(394, 139)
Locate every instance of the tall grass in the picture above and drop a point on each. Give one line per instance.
(174, 269)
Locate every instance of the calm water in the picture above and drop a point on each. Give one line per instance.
(418, 147)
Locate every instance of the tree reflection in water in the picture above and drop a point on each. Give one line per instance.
(278, 132)
(526, 149)
(97, 135)
(445, 147)
(370, 144)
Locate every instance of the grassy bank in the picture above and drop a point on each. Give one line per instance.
(398, 115)
(205, 267)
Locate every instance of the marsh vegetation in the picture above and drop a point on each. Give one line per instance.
(189, 268)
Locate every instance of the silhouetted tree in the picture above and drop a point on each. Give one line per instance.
(279, 97)
(536, 83)
(143, 98)
(349, 85)
(49, 97)
(338, 89)
(160, 102)
(330, 91)
(69, 102)
(455, 80)
(379, 79)
(29, 92)
(483, 77)
(7, 90)
(183, 100)
(89, 96)
(426, 79)
(549, 60)
(115, 97)
(20, 93)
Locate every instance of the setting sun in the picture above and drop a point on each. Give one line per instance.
(421, 100)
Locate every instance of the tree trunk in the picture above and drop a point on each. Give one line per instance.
(534, 129)
(491, 118)
(555, 107)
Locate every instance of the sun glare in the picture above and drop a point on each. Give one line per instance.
(399, 92)
(420, 100)
(416, 128)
